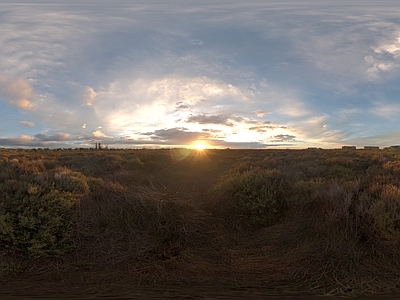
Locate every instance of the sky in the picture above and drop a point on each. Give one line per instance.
(230, 73)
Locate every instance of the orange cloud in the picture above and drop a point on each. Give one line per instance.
(99, 134)
(17, 92)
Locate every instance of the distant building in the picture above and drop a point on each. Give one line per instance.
(349, 147)
(392, 148)
(371, 147)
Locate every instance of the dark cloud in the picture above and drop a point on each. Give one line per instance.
(42, 142)
(54, 138)
(180, 105)
(264, 128)
(260, 123)
(212, 119)
(284, 138)
(175, 136)
(18, 141)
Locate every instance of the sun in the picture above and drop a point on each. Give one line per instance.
(200, 145)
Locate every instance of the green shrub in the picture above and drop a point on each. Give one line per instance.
(303, 191)
(95, 183)
(258, 195)
(35, 221)
(69, 181)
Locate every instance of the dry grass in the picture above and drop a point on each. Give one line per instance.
(152, 219)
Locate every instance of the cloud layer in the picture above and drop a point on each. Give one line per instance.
(237, 74)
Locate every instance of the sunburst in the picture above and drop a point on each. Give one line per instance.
(200, 145)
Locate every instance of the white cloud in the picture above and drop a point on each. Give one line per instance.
(89, 95)
(260, 113)
(384, 59)
(313, 129)
(99, 134)
(392, 48)
(192, 90)
(280, 100)
(141, 103)
(386, 110)
(27, 123)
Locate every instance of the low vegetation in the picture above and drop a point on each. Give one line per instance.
(266, 221)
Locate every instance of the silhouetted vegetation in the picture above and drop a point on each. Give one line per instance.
(268, 221)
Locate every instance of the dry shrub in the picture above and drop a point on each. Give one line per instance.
(342, 238)
(386, 214)
(117, 224)
(327, 218)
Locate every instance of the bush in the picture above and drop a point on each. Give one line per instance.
(345, 217)
(35, 220)
(386, 214)
(69, 181)
(258, 195)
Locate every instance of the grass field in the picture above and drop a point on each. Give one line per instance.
(285, 222)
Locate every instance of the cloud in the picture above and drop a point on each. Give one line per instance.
(89, 95)
(384, 59)
(58, 140)
(192, 90)
(98, 134)
(392, 48)
(316, 131)
(245, 145)
(389, 138)
(264, 128)
(161, 102)
(176, 136)
(260, 113)
(17, 92)
(27, 123)
(54, 138)
(386, 110)
(196, 42)
(22, 140)
(210, 119)
(283, 138)
(180, 106)
(238, 72)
